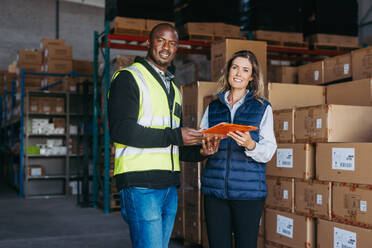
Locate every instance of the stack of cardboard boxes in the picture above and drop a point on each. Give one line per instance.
(57, 60)
(318, 181)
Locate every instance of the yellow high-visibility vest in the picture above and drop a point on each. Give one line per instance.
(154, 113)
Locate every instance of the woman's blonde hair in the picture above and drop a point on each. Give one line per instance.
(256, 84)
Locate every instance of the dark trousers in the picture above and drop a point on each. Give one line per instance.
(226, 216)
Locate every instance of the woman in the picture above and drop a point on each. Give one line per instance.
(234, 181)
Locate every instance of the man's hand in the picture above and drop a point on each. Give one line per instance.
(190, 136)
(210, 145)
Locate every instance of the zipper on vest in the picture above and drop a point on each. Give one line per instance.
(171, 125)
(228, 168)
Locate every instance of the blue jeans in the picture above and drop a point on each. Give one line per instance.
(150, 214)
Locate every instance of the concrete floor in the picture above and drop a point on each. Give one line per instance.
(58, 223)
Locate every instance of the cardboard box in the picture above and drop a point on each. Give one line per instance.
(337, 68)
(222, 51)
(312, 73)
(292, 160)
(351, 204)
(196, 28)
(333, 123)
(282, 74)
(82, 67)
(51, 42)
(129, 26)
(225, 30)
(361, 61)
(59, 122)
(29, 57)
(35, 170)
(150, 24)
(54, 52)
(284, 125)
(285, 96)
(344, 162)
(57, 66)
(193, 96)
(46, 104)
(351, 93)
(289, 229)
(280, 193)
(59, 105)
(313, 198)
(58, 53)
(334, 40)
(332, 234)
(34, 106)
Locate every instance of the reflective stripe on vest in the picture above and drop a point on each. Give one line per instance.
(153, 112)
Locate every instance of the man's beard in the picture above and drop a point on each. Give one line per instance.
(159, 62)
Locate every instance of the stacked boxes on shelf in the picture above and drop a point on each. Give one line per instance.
(57, 59)
(319, 130)
(355, 65)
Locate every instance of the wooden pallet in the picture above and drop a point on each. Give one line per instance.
(114, 203)
(317, 46)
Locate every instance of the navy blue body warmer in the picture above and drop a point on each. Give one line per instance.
(229, 173)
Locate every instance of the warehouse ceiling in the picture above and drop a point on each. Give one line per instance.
(96, 3)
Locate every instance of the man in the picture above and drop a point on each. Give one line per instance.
(145, 124)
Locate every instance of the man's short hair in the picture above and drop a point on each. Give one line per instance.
(163, 24)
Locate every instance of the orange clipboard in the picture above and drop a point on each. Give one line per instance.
(224, 128)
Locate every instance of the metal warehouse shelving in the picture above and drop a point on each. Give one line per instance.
(105, 41)
(57, 167)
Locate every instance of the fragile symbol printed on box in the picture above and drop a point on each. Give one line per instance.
(319, 199)
(343, 159)
(284, 158)
(344, 239)
(284, 226)
(285, 125)
(363, 206)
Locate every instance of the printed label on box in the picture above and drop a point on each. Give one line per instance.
(285, 125)
(343, 159)
(319, 123)
(284, 157)
(346, 68)
(284, 226)
(316, 75)
(285, 194)
(363, 206)
(319, 199)
(36, 172)
(344, 239)
(59, 109)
